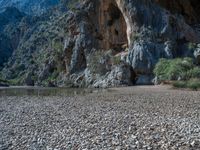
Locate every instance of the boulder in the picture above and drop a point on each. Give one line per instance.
(122, 75)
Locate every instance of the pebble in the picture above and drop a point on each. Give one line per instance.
(127, 118)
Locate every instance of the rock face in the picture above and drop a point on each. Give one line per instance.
(9, 39)
(111, 26)
(150, 29)
(138, 32)
(188, 9)
(119, 76)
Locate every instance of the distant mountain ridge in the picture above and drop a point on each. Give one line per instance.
(9, 35)
(31, 7)
(10, 15)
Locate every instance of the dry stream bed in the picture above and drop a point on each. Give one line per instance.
(146, 117)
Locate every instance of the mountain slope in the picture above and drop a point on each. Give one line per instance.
(99, 43)
(9, 35)
(31, 7)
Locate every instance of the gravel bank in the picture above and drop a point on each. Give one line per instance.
(149, 118)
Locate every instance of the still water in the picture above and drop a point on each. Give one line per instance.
(40, 91)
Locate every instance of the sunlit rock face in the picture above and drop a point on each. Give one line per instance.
(139, 32)
(111, 28)
(149, 29)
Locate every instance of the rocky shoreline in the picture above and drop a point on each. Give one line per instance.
(146, 117)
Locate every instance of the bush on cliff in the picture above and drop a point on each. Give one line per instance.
(97, 62)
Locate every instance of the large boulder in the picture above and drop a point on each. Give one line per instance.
(144, 55)
(122, 75)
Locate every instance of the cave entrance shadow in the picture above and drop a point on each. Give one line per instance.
(111, 28)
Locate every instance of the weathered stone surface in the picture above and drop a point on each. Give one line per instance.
(119, 76)
(189, 9)
(140, 32)
(145, 80)
(29, 79)
(150, 31)
(197, 54)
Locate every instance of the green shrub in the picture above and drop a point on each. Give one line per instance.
(72, 5)
(16, 81)
(162, 68)
(116, 60)
(192, 46)
(57, 45)
(193, 84)
(95, 63)
(193, 73)
(179, 67)
(180, 84)
(173, 69)
(135, 37)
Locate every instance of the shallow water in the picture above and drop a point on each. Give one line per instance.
(40, 91)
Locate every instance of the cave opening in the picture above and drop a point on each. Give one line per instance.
(111, 31)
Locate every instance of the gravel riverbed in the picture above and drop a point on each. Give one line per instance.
(145, 118)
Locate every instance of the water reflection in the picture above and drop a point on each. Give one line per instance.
(38, 91)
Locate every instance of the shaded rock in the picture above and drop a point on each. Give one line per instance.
(47, 70)
(3, 84)
(9, 34)
(148, 30)
(122, 75)
(156, 80)
(29, 79)
(151, 34)
(197, 54)
(145, 80)
(31, 7)
(144, 55)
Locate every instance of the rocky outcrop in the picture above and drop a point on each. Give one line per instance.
(188, 9)
(149, 29)
(121, 75)
(9, 34)
(138, 33)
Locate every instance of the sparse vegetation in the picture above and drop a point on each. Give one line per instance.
(192, 46)
(181, 70)
(173, 69)
(73, 4)
(116, 60)
(96, 63)
(193, 84)
(100, 62)
(135, 37)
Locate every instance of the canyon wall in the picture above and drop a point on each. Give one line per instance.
(117, 42)
(149, 29)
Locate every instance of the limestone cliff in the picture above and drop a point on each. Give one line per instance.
(117, 42)
(149, 29)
